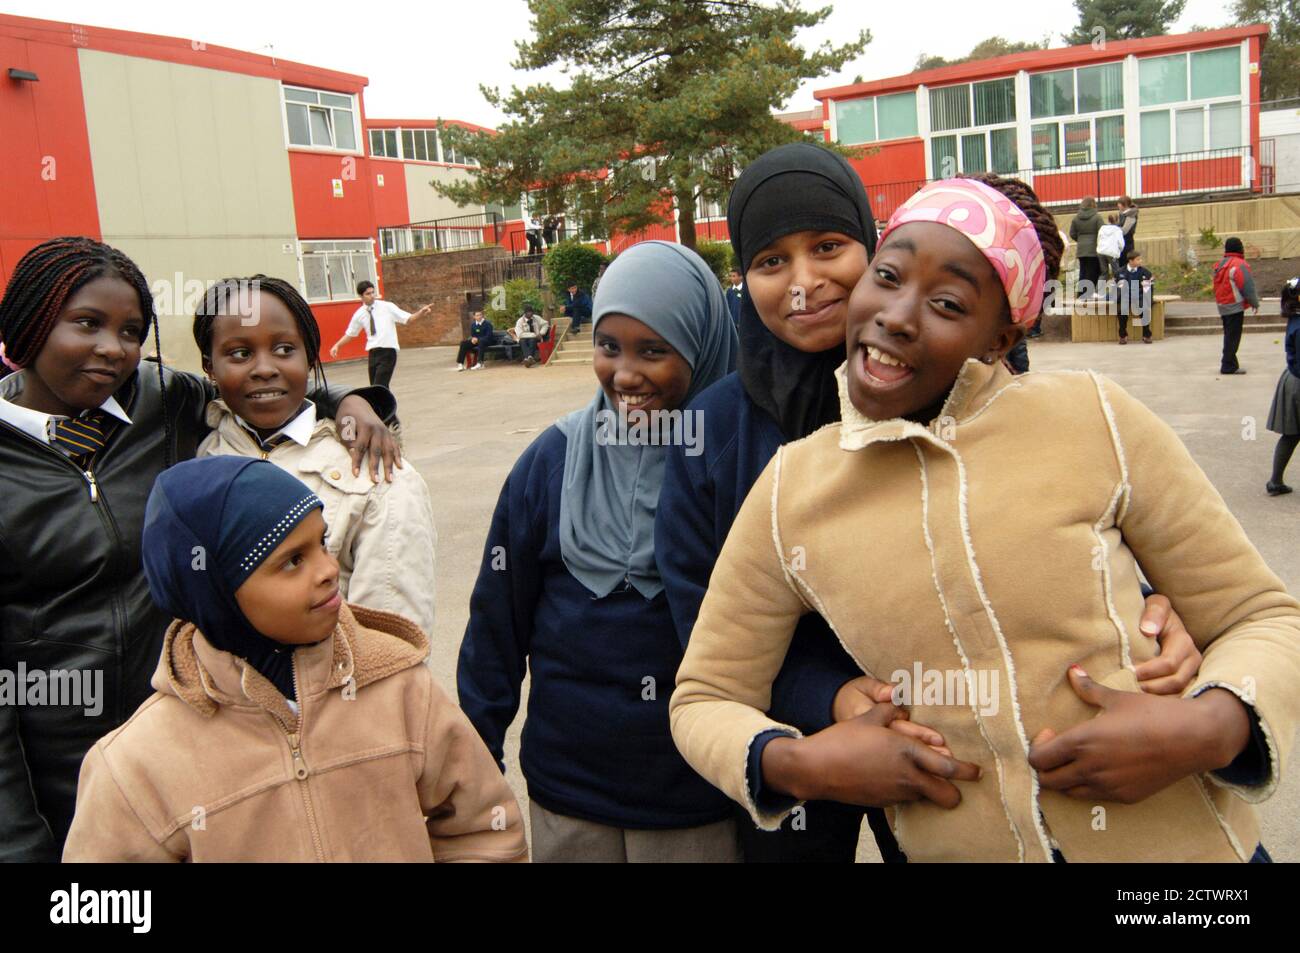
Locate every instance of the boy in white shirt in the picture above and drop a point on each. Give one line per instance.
(530, 329)
(380, 320)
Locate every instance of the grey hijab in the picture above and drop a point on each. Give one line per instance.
(610, 491)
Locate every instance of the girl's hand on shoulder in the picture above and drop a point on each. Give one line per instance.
(367, 438)
(1138, 744)
(865, 761)
(1179, 661)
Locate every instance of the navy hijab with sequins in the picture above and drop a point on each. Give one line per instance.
(207, 527)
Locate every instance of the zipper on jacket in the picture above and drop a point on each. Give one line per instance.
(94, 487)
(300, 770)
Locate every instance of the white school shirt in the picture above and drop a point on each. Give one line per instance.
(387, 317)
(298, 429)
(41, 426)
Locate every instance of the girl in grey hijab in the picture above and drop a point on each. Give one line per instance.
(569, 593)
(611, 487)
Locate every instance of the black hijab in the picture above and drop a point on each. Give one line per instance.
(793, 188)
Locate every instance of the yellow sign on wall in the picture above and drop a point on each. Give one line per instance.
(338, 188)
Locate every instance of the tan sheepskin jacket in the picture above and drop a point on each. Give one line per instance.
(999, 544)
(380, 765)
(381, 533)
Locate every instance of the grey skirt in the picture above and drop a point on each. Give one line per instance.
(1284, 415)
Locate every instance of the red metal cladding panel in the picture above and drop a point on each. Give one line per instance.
(320, 211)
(333, 318)
(48, 182)
(1197, 175)
(1253, 59)
(391, 204)
(1075, 186)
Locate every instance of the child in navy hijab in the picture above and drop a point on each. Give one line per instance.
(295, 727)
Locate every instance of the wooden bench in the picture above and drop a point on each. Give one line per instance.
(1097, 319)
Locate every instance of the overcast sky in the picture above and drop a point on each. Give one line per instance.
(427, 59)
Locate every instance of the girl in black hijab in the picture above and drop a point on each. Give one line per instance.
(802, 231)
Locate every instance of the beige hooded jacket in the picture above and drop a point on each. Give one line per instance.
(379, 765)
(999, 545)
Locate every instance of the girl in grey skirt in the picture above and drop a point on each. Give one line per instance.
(1284, 415)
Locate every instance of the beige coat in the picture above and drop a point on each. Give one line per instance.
(1003, 540)
(382, 533)
(379, 766)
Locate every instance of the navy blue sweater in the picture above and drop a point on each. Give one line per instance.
(596, 743)
(699, 501)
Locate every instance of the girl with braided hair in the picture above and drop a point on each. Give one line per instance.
(381, 533)
(803, 232)
(918, 494)
(83, 433)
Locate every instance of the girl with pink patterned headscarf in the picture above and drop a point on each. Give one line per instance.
(912, 528)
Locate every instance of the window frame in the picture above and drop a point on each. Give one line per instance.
(360, 137)
(323, 249)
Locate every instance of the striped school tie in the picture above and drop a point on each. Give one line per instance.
(81, 437)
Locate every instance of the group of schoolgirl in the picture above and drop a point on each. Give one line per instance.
(856, 512)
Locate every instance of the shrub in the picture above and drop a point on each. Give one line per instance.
(1208, 238)
(506, 302)
(718, 256)
(569, 262)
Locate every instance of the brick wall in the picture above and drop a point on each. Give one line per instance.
(412, 281)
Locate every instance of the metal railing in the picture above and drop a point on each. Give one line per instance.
(448, 234)
(1176, 174)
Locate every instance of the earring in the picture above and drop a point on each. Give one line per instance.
(986, 359)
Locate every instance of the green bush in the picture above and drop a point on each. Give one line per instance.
(506, 302)
(1208, 238)
(570, 262)
(719, 257)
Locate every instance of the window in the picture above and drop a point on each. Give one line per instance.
(1216, 73)
(897, 116)
(995, 102)
(1225, 125)
(383, 142)
(320, 120)
(1162, 79)
(332, 269)
(1110, 139)
(1101, 88)
(708, 208)
(950, 107)
(394, 241)
(876, 119)
(1047, 146)
(1190, 125)
(973, 157)
(943, 156)
(420, 145)
(1078, 143)
(855, 120)
(1002, 145)
(1051, 94)
(1155, 134)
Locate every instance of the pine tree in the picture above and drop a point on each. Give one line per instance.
(1279, 66)
(666, 98)
(1103, 20)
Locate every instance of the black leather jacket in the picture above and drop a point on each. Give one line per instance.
(73, 596)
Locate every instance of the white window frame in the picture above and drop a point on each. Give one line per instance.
(360, 135)
(1092, 119)
(1204, 106)
(310, 248)
(875, 115)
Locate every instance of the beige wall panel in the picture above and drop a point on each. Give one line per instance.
(424, 202)
(191, 179)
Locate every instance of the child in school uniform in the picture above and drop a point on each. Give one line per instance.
(569, 591)
(296, 727)
(84, 430)
(801, 226)
(920, 487)
(1284, 414)
(1135, 290)
(382, 534)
